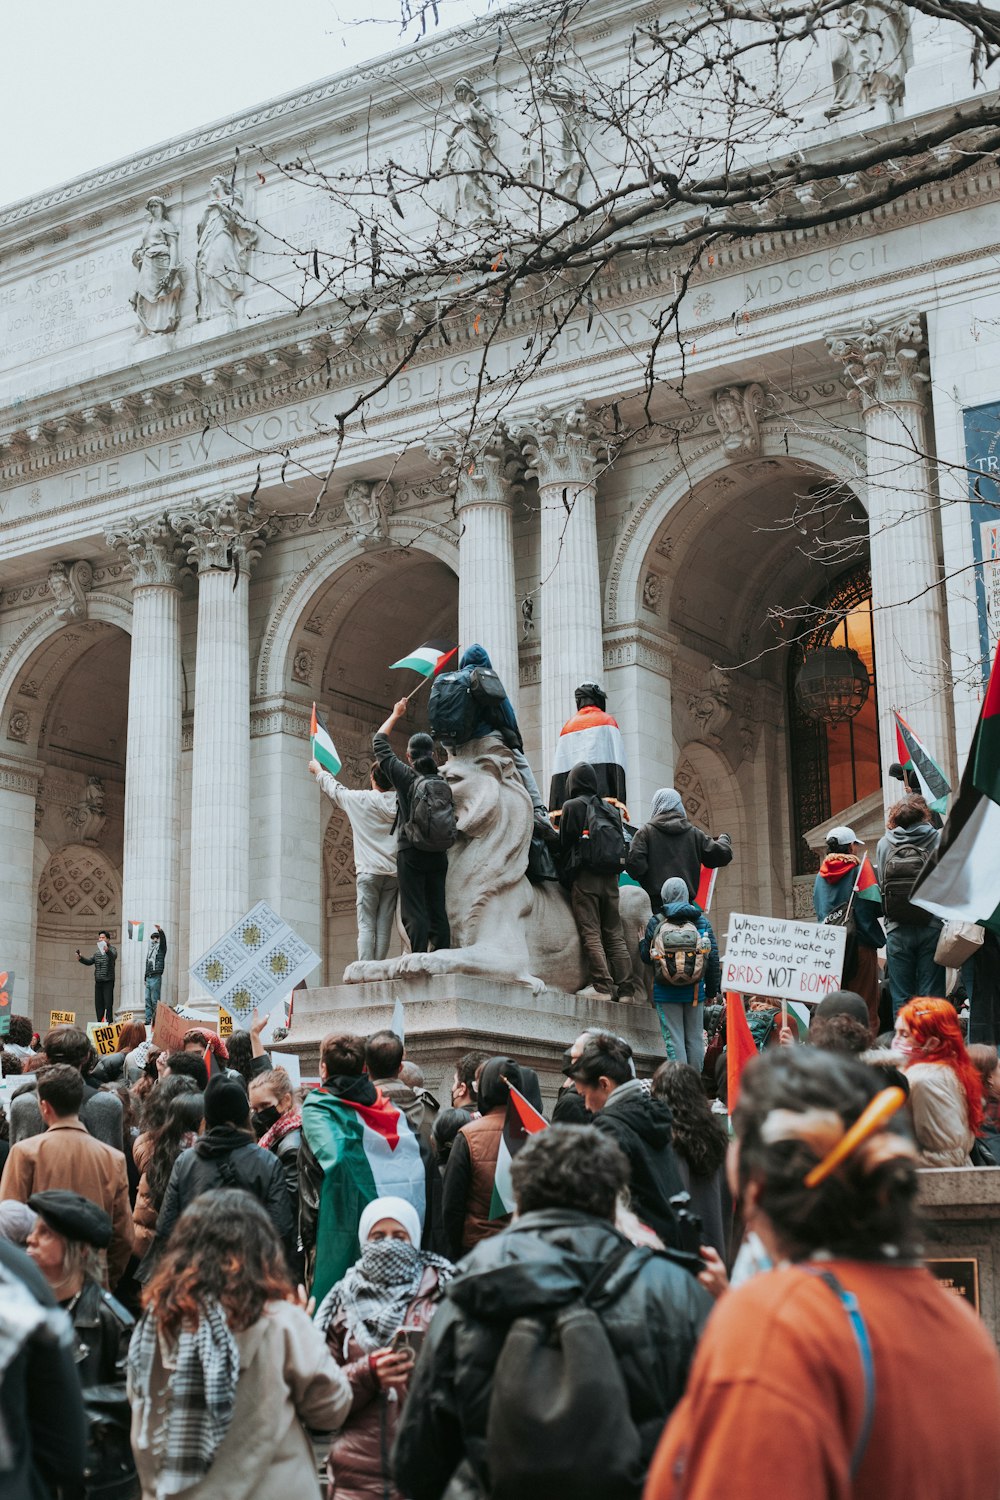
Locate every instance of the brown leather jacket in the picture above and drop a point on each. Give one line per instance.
(469, 1176)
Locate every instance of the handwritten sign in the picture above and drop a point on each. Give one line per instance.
(789, 960)
(171, 1026)
(225, 1024)
(105, 1037)
(62, 1018)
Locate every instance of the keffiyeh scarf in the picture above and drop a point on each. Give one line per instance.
(199, 1397)
(377, 1291)
(282, 1127)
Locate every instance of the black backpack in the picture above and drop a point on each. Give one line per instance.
(903, 868)
(431, 824)
(487, 689)
(452, 710)
(602, 847)
(559, 1421)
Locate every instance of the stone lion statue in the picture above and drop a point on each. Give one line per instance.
(502, 926)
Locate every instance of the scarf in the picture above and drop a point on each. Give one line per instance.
(376, 1293)
(281, 1127)
(23, 1319)
(200, 1396)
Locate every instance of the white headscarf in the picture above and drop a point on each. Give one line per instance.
(404, 1214)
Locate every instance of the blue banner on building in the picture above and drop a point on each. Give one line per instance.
(982, 455)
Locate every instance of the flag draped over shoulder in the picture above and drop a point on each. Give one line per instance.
(740, 1047)
(914, 756)
(593, 736)
(521, 1121)
(366, 1151)
(961, 883)
(429, 659)
(323, 748)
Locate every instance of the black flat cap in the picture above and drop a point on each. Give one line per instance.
(73, 1215)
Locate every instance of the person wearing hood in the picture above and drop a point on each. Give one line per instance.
(624, 1109)
(669, 845)
(680, 1008)
(471, 1171)
(594, 885)
(833, 889)
(567, 1182)
(912, 934)
(591, 735)
(372, 816)
(496, 717)
(227, 1156)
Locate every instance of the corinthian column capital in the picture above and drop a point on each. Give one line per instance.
(883, 359)
(150, 549)
(221, 533)
(484, 469)
(563, 447)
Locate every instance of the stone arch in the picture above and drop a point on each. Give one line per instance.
(274, 658)
(823, 453)
(79, 891)
(713, 802)
(26, 651)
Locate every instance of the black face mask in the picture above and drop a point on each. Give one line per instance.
(263, 1119)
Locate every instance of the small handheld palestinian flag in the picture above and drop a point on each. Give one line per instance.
(136, 930)
(323, 748)
(914, 756)
(521, 1121)
(866, 886)
(429, 659)
(706, 887)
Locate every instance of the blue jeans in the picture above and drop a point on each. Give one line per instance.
(683, 1031)
(376, 908)
(153, 983)
(912, 970)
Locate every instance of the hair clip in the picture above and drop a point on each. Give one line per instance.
(872, 1119)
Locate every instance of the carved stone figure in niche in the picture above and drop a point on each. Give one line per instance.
(68, 587)
(712, 709)
(652, 591)
(527, 615)
(367, 504)
(88, 817)
(157, 295)
(471, 134)
(554, 153)
(869, 65)
(737, 410)
(225, 241)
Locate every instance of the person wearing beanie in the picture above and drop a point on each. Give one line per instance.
(421, 871)
(834, 899)
(227, 1156)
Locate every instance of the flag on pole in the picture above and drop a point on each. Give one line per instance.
(136, 929)
(521, 1120)
(866, 887)
(740, 1047)
(429, 659)
(961, 882)
(323, 748)
(706, 887)
(914, 756)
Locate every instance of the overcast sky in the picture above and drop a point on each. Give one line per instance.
(88, 81)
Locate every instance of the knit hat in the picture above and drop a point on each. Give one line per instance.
(403, 1213)
(226, 1103)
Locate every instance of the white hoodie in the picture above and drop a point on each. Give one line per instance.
(372, 815)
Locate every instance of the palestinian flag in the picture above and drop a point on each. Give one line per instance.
(366, 1151)
(136, 929)
(521, 1120)
(323, 748)
(429, 659)
(706, 887)
(961, 883)
(590, 735)
(740, 1047)
(913, 756)
(866, 886)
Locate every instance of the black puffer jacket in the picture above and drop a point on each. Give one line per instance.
(543, 1261)
(643, 1128)
(227, 1157)
(669, 845)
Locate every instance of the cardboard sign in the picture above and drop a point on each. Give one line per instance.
(171, 1026)
(789, 960)
(225, 1024)
(291, 1064)
(253, 965)
(105, 1036)
(62, 1018)
(126, 1016)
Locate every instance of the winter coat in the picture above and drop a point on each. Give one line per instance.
(471, 1170)
(940, 1115)
(372, 816)
(667, 846)
(102, 1329)
(360, 1459)
(923, 834)
(541, 1263)
(832, 888)
(503, 720)
(103, 964)
(146, 1211)
(100, 1112)
(287, 1382)
(156, 957)
(403, 778)
(227, 1157)
(683, 994)
(643, 1127)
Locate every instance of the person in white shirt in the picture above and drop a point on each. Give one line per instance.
(373, 818)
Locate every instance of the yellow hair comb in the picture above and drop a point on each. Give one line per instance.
(879, 1111)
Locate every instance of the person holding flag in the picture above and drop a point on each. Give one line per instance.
(372, 816)
(846, 894)
(912, 933)
(472, 1208)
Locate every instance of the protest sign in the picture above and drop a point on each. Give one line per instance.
(789, 960)
(225, 1024)
(171, 1025)
(105, 1036)
(291, 1064)
(253, 965)
(62, 1018)
(6, 999)
(126, 1016)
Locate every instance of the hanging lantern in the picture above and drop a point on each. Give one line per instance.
(832, 684)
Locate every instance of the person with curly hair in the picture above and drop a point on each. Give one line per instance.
(178, 1130)
(946, 1097)
(699, 1141)
(225, 1371)
(807, 1380)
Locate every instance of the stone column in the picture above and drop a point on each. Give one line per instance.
(562, 452)
(19, 783)
(883, 359)
(151, 877)
(487, 607)
(223, 541)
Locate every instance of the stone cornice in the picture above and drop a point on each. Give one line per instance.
(20, 775)
(279, 715)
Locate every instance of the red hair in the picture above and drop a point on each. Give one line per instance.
(927, 1019)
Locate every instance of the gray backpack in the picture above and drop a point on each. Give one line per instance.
(431, 824)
